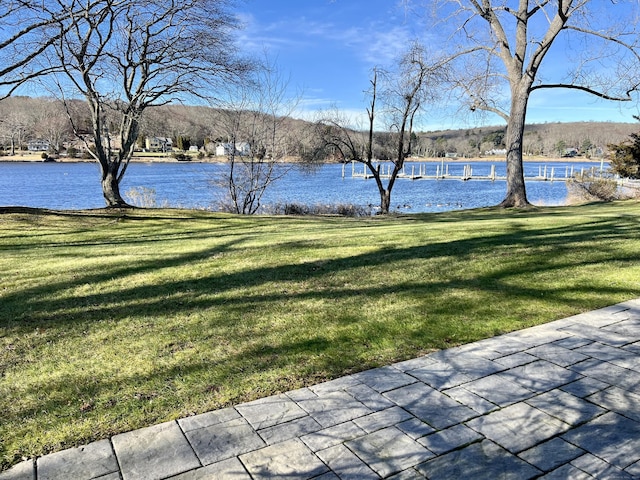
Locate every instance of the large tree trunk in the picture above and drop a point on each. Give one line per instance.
(111, 189)
(516, 190)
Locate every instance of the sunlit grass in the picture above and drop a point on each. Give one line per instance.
(110, 322)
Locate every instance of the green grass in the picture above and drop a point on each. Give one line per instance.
(113, 322)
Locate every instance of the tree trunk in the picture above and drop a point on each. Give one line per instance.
(111, 190)
(516, 190)
(385, 201)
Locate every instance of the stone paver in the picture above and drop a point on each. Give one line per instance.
(480, 461)
(333, 408)
(566, 407)
(498, 390)
(598, 468)
(566, 472)
(518, 427)
(230, 469)
(290, 459)
(540, 376)
(470, 399)
(369, 397)
(345, 463)
(382, 419)
(618, 400)
(550, 455)
(22, 471)
(440, 375)
(89, 461)
(154, 452)
(557, 401)
(611, 437)
(384, 379)
(389, 451)
(430, 405)
(224, 440)
(270, 411)
(450, 439)
(609, 373)
(557, 354)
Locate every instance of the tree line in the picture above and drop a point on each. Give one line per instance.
(29, 118)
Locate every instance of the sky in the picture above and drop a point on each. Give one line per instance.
(329, 47)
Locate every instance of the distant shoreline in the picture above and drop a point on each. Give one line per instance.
(36, 158)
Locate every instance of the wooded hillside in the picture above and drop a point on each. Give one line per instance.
(588, 139)
(23, 119)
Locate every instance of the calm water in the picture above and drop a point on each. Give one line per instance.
(69, 186)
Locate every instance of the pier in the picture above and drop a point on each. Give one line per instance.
(429, 171)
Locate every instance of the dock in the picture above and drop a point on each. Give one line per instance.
(441, 172)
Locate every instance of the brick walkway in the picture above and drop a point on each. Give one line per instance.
(558, 401)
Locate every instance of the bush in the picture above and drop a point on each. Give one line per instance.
(181, 157)
(143, 197)
(625, 157)
(345, 210)
(590, 188)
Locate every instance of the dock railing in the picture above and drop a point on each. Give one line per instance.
(441, 172)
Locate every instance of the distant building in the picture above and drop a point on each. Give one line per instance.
(158, 144)
(496, 151)
(38, 145)
(226, 149)
(194, 148)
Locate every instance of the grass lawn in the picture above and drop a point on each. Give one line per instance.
(112, 322)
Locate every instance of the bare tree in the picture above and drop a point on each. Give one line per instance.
(51, 123)
(25, 36)
(396, 97)
(255, 127)
(125, 56)
(15, 122)
(503, 45)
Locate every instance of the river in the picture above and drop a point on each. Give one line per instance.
(71, 186)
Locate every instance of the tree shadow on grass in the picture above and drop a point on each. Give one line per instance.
(512, 254)
(339, 343)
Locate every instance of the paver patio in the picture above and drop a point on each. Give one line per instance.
(557, 401)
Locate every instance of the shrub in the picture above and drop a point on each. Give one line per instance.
(142, 197)
(625, 157)
(295, 209)
(345, 210)
(590, 188)
(181, 157)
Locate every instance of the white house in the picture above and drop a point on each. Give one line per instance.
(158, 144)
(226, 149)
(38, 145)
(496, 151)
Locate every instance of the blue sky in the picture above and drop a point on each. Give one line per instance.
(328, 48)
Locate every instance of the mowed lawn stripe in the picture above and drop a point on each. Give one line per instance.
(112, 321)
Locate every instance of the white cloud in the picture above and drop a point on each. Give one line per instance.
(375, 43)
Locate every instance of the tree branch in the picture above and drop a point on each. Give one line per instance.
(589, 90)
